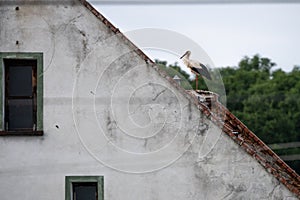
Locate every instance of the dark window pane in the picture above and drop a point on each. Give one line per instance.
(20, 93)
(20, 81)
(20, 114)
(85, 191)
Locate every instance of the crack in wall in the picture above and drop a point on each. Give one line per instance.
(158, 94)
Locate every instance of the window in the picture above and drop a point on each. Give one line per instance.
(84, 188)
(21, 94)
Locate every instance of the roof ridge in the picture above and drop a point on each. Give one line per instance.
(245, 138)
(116, 31)
(242, 136)
(139, 52)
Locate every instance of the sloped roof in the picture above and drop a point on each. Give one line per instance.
(208, 103)
(236, 130)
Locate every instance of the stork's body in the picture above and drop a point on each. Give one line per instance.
(196, 67)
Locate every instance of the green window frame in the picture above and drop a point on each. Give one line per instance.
(69, 180)
(38, 57)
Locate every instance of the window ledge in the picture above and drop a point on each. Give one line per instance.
(21, 133)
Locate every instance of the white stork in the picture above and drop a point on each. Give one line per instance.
(196, 67)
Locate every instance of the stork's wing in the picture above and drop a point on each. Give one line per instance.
(202, 71)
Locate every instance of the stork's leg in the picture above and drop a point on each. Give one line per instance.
(196, 81)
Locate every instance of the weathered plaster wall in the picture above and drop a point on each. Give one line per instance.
(106, 112)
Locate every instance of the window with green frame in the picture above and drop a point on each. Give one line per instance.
(84, 187)
(21, 93)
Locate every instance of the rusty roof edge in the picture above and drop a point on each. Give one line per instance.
(116, 30)
(292, 182)
(263, 145)
(250, 143)
(137, 50)
(283, 166)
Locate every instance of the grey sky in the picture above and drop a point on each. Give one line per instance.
(227, 32)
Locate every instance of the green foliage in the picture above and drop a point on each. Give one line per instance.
(267, 101)
(289, 151)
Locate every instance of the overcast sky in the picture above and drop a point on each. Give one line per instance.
(227, 32)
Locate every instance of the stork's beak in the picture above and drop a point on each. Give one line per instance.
(183, 55)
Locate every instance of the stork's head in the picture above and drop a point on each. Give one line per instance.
(187, 54)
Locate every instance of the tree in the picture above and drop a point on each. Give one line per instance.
(267, 101)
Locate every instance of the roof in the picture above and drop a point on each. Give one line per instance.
(223, 118)
(237, 131)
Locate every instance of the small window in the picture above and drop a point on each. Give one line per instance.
(22, 89)
(84, 188)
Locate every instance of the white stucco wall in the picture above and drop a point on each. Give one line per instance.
(106, 112)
